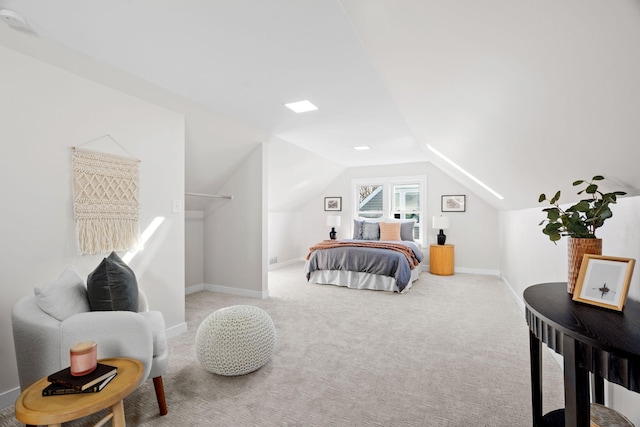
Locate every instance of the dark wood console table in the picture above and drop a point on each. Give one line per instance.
(590, 339)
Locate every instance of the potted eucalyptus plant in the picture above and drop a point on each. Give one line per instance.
(579, 222)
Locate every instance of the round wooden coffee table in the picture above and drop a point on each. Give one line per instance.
(34, 409)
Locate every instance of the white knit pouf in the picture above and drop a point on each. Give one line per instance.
(235, 340)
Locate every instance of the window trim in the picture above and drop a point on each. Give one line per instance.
(387, 184)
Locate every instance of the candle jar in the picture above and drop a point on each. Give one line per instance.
(84, 358)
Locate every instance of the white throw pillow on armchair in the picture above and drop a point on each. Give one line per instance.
(63, 297)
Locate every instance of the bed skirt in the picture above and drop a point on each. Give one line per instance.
(357, 280)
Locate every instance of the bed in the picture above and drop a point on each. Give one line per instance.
(371, 260)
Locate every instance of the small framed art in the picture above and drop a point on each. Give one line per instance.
(454, 203)
(333, 203)
(604, 281)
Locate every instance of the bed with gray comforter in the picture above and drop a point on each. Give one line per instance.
(390, 259)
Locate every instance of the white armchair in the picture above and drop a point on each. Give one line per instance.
(42, 342)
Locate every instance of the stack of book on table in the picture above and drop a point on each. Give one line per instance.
(62, 382)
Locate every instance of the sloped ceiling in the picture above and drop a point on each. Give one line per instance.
(525, 96)
(289, 191)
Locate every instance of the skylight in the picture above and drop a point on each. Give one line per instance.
(473, 178)
(301, 106)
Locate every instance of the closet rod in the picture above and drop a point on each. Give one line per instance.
(214, 196)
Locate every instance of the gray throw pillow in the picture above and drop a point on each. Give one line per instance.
(63, 297)
(370, 231)
(112, 286)
(406, 230)
(357, 229)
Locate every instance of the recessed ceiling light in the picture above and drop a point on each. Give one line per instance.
(301, 106)
(473, 178)
(362, 147)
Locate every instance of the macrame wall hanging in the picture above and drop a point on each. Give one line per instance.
(105, 201)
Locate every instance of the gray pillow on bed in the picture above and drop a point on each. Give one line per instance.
(357, 229)
(370, 231)
(406, 230)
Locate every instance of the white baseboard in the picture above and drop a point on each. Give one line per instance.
(515, 296)
(8, 398)
(484, 271)
(228, 290)
(176, 330)
(193, 289)
(283, 264)
(236, 291)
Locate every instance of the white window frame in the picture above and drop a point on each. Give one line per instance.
(387, 184)
(355, 186)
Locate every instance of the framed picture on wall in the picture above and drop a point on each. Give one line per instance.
(333, 203)
(604, 281)
(451, 203)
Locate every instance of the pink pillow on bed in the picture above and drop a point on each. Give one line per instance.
(390, 231)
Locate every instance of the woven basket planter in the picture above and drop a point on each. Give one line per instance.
(577, 248)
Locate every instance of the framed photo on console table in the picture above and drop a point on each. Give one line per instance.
(453, 203)
(604, 281)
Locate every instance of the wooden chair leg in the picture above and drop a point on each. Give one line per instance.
(162, 403)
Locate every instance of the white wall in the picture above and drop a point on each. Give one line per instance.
(295, 176)
(474, 232)
(283, 242)
(44, 111)
(194, 249)
(235, 232)
(528, 257)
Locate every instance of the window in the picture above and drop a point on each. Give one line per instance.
(370, 201)
(395, 197)
(406, 204)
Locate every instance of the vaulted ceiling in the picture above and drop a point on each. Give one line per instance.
(524, 96)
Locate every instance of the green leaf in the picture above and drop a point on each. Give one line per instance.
(619, 193)
(591, 189)
(542, 198)
(581, 206)
(578, 182)
(552, 228)
(555, 198)
(597, 178)
(555, 237)
(605, 213)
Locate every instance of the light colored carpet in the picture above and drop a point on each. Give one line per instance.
(453, 351)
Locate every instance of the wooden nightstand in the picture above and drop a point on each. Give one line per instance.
(441, 260)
